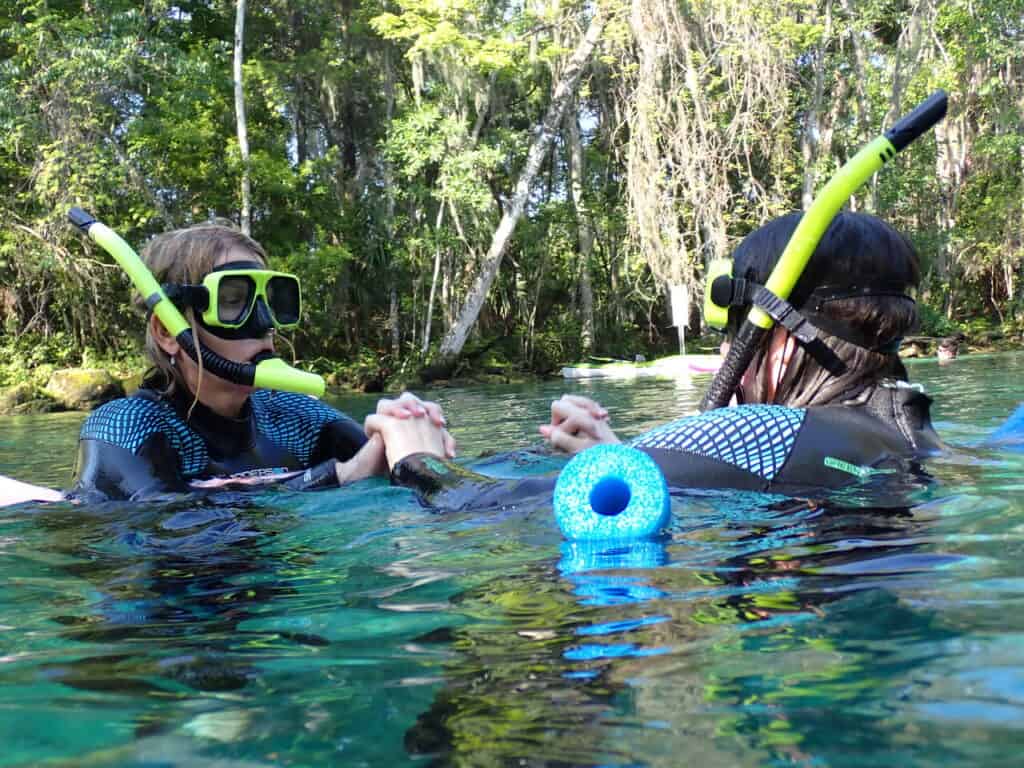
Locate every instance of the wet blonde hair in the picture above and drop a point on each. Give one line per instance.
(186, 256)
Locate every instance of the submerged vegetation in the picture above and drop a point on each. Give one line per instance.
(483, 185)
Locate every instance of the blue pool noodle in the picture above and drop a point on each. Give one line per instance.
(611, 492)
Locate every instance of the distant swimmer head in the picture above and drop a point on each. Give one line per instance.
(848, 311)
(948, 349)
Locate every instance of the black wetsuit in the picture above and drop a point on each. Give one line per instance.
(767, 448)
(147, 445)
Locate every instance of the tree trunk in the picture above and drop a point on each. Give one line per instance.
(396, 338)
(905, 63)
(389, 210)
(433, 279)
(585, 231)
(532, 323)
(819, 127)
(453, 342)
(243, 135)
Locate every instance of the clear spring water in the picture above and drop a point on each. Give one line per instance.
(354, 628)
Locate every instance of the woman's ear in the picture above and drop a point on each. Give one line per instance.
(163, 337)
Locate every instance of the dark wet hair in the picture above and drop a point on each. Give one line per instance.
(856, 251)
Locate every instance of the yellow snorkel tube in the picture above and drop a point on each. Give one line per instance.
(272, 373)
(809, 231)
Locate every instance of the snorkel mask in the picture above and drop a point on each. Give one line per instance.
(728, 299)
(268, 373)
(241, 300)
(768, 303)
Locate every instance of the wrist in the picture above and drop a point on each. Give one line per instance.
(322, 475)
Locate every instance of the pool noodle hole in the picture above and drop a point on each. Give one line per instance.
(610, 496)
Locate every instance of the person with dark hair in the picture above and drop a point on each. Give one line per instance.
(855, 292)
(818, 409)
(838, 402)
(948, 349)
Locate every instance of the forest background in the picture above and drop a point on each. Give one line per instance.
(464, 184)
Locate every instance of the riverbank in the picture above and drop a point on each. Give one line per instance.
(46, 387)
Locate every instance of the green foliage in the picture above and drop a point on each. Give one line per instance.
(934, 322)
(386, 138)
(32, 358)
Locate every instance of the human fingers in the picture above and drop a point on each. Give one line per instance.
(378, 423)
(581, 423)
(374, 423)
(562, 409)
(568, 442)
(405, 436)
(388, 407)
(434, 412)
(592, 407)
(404, 406)
(413, 403)
(568, 406)
(582, 426)
(449, 444)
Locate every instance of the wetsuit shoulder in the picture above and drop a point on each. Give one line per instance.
(743, 447)
(135, 447)
(312, 431)
(776, 448)
(126, 422)
(840, 444)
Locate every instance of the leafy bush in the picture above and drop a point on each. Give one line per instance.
(934, 322)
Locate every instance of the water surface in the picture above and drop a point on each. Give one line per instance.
(352, 627)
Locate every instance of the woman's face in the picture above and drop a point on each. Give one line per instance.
(780, 350)
(222, 396)
(746, 387)
(237, 350)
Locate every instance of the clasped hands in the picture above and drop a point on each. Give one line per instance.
(409, 425)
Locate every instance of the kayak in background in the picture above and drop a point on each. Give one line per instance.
(677, 366)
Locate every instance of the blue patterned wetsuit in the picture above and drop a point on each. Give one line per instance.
(768, 448)
(146, 445)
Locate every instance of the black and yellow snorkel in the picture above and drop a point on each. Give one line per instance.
(271, 373)
(772, 305)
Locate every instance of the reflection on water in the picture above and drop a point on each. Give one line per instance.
(353, 627)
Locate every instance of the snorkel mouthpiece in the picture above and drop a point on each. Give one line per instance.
(808, 234)
(263, 373)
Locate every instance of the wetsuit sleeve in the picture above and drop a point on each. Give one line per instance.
(124, 453)
(443, 484)
(312, 431)
(339, 439)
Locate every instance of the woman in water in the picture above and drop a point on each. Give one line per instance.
(843, 396)
(817, 413)
(186, 429)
